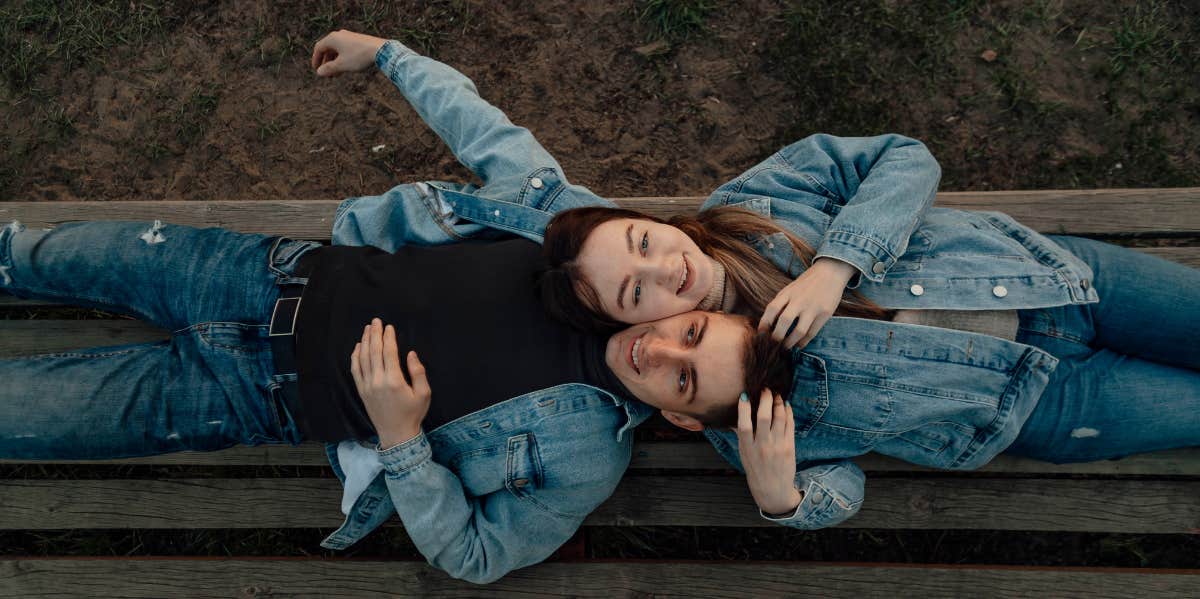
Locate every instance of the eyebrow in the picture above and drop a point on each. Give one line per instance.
(625, 283)
(695, 378)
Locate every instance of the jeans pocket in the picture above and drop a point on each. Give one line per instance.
(285, 253)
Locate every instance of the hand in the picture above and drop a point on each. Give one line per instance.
(395, 407)
(809, 301)
(344, 52)
(769, 453)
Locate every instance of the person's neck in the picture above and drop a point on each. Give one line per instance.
(722, 295)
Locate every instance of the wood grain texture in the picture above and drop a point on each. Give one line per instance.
(1119, 506)
(334, 579)
(693, 455)
(1096, 211)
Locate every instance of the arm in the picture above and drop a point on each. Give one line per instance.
(812, 498)
(479, 134)
(478, 539)
(880, 188)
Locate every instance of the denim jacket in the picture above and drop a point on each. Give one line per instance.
(938, 397)
(504, 487)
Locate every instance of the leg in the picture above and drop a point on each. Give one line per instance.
(1149, 307)
(170, 275)
(203, 390)
(1101, 405)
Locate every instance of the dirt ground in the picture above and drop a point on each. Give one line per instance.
(214, 100)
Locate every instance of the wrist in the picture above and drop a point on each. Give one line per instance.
(398, 436)
(786, 507)
(842, 271)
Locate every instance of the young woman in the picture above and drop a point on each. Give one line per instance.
(971, 333)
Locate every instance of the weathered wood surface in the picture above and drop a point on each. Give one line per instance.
(693, 455)
(1096, 211)
(1119, 506)
(272, 577)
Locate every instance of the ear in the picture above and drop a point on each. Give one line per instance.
(683, 421)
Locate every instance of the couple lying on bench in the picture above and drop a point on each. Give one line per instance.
(816, 309)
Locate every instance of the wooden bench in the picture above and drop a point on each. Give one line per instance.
(675, 482)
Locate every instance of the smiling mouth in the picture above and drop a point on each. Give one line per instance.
(685, 278)
(634, 353)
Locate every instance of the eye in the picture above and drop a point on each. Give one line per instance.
(691, 334)
(637, 293)
(683, 378)
(645, 242)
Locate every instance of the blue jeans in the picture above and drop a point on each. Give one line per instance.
(210, 386)
(1129, 376)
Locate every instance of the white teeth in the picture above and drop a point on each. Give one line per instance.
(634, 352)
(683, 277)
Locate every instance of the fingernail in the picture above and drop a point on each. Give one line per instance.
(744, 397)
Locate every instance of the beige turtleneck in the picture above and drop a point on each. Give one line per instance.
(722, 295)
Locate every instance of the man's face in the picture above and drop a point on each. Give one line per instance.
(690, 364)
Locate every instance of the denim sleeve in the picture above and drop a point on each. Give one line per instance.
(832, 493)
(880, 188)
(479, 134)
(478, 539)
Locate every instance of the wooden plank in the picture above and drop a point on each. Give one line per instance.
(352, 579)
(29, 337)
(1097, 212)
(687, 456)
(1119, 506)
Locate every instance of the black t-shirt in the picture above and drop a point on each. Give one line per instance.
(471, 312)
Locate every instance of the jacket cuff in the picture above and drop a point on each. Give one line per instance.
(406, 456)
(390, 53)
(867, 255)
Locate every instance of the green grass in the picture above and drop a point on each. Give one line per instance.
(674, 20)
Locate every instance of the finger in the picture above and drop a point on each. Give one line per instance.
(784, 323)
(377, 346)
(365, 353)
(790, 429)
(777, 421)
(745, 424)
(770, 313)
(329, 69)
(799, 332)
(420, 384)
(816, 327)
(355, 368)
(764, 414)
(318, 50)
(391, 355)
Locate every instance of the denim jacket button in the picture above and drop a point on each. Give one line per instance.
(999, 291)
(1084, 284)
(535, 183)
(917, 290)
(878, 268)
(520, 482)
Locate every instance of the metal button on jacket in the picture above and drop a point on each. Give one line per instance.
(535, 183)
(1084, 284)
(917, 290)
(999, 291)
(878, 268)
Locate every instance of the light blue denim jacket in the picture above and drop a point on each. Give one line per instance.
(504, 487)
(932, 396)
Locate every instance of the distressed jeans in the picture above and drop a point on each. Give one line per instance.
(1128, 380)
(211, 385)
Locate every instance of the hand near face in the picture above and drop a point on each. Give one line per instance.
(344, 52)
(809, 302)
(395, 407)
(768, 451)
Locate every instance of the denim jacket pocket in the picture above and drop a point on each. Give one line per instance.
(524, 475)
(810, 392)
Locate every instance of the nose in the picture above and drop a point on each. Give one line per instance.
(658, 270)
(661, 350)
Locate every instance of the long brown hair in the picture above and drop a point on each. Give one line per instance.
(726, 234)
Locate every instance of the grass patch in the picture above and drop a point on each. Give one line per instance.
(36, 33)
(674, 20)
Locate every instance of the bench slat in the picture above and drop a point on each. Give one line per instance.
(1119, 506)
(689, 455)
(1095, 211)
(249, 577)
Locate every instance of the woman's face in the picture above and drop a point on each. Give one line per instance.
(643, 270)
